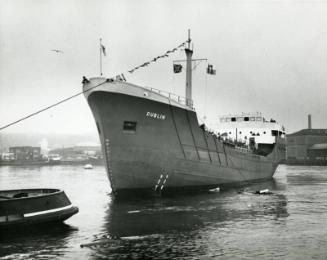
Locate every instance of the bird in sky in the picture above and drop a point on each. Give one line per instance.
(58, 51)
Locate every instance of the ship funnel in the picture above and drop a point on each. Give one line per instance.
(309, 122)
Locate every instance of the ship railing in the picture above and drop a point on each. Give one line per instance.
(171, 96)
(243, 149)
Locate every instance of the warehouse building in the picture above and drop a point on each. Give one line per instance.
(307, 146)
(26, 153)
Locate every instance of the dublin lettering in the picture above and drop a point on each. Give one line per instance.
(156, 115)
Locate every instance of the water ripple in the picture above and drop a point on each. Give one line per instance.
(232, 224)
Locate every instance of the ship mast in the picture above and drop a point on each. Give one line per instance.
(189, 60)
(189, 54)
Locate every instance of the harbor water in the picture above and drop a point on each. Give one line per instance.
(234, 223)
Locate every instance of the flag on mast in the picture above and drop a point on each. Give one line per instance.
(210, 70)
(177, 68)
(103, 49)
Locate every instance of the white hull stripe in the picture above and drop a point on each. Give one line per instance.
(47, 211)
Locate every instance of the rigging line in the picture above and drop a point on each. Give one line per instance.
(51, 106)
(205, 95)
(196, 65)
(158, 57)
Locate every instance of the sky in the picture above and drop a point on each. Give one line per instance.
(270, 56)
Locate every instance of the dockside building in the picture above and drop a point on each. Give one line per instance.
(25, 153)
(307, 146)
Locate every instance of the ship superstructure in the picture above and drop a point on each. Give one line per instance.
(251, 129)
(152, 140)
(245, 126)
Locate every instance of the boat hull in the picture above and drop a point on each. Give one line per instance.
(155, 145)
(29, 207)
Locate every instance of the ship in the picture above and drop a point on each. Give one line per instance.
(153, 142)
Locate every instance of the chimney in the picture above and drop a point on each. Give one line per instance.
(309, 122)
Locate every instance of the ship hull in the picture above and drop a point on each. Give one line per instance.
(153, 145)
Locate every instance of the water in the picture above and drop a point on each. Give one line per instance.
(289, 224)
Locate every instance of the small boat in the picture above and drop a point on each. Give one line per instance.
(263, 192)
(34, 206)
(214, 190)
(88, 166)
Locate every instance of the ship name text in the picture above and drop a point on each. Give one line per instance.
(156, 115)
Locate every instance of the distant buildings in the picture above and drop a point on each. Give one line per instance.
(22, 155)
(7, 157)
(307, 146)
(29, 155)
(78, 150)
(26, 153)
(79, 154)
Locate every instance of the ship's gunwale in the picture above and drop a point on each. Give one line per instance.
(130, 89)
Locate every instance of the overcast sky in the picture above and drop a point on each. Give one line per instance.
(270, 56)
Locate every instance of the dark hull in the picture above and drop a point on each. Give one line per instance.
(168, 152)
(51, 218)
(29, 207)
